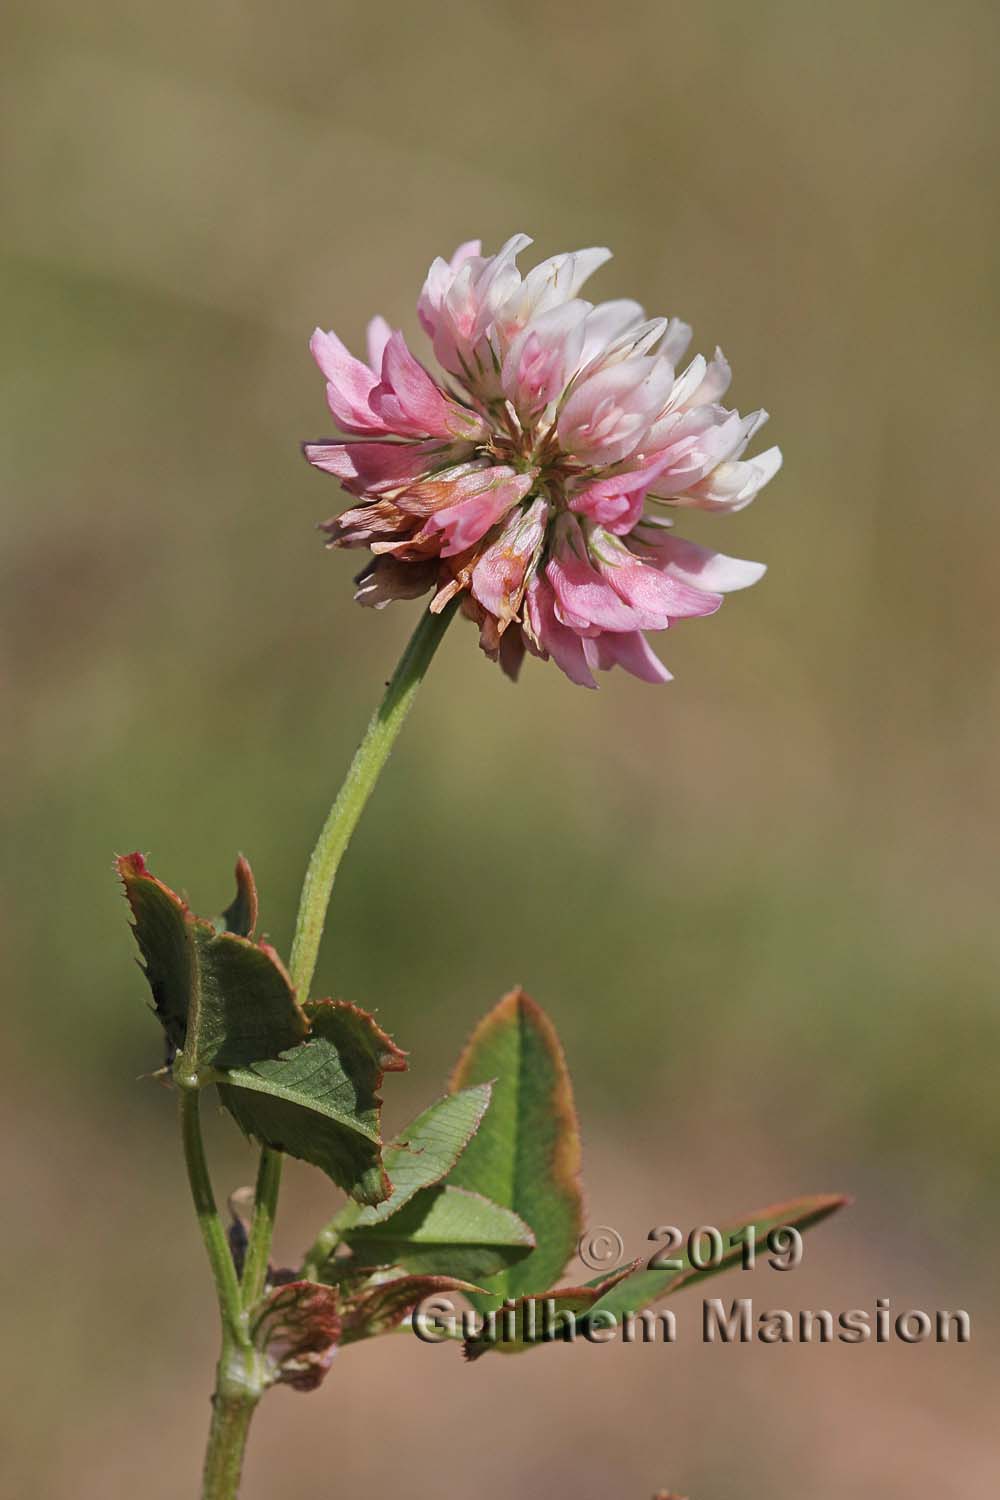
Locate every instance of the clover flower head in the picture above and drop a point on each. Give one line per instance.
(534, 478)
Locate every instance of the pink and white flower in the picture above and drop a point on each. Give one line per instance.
(535, 478)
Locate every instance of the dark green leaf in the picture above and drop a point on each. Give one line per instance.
(223, 1000)
(526, 1154)
(319, 1101)
(445, 1231)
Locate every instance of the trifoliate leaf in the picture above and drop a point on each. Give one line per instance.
(425, 1151)
(223, 1000)
(319, 1101)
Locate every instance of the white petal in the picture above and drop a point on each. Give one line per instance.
(675, 340)
(702, 568)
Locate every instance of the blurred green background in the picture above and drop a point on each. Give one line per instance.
(760, 903)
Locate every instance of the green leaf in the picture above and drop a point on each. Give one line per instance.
(297, 1329)
(445, 1231)
(425, 1152)
(223, 1000)
(643, 1287)
(544, 1318)
(240, 916)
(526, 1154)
(381, 1308)
(319, 1101)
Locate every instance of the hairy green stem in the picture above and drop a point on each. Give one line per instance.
(369, 759)
(262, 1227)
(321, 1249)
(227, 1287)
(238, 1384)
(227, 1441)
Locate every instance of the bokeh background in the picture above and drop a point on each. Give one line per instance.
(760, 904)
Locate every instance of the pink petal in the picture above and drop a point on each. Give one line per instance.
(374, 468)
(349, 385)
(693, 442)
(496, 282)
(546, 632)
(498, 576)
(607, 414)
(413, 405)
(439, 278)
(488, 497)
(377, 335)
(465, 252)
(617, 502)
(542, 358)
(460, 307)
(655, 596)
(628, 649)
(584, 600)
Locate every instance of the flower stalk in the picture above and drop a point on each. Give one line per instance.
(364, 771)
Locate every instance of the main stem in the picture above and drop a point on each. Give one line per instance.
(238, 1385)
